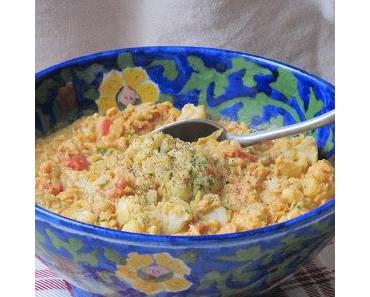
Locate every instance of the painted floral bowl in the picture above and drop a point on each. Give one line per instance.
(232, 85)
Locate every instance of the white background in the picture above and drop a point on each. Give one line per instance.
(299, 32)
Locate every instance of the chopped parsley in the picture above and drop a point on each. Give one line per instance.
(105, 183)
(104, 151)
(211, 181)
(199, 163)
(295, 205)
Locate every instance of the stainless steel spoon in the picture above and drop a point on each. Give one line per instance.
(192, 130)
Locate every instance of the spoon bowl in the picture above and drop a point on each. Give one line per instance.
(191, 130)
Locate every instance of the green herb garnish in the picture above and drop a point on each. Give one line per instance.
(104, 151)
(105, 183)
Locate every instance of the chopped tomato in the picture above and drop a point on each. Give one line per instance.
(78, 162)
(150, 124)
(105, 126)
(156, 116)
(56, 189)
(119, 188)
(53, 189)
(121, 183)
(244, 155)
(201, 227)
(46, 167)
(146, 127)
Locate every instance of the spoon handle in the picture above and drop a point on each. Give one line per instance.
(248, 139)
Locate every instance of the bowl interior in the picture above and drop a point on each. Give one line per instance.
(232, 85)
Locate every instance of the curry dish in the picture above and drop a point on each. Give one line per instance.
(108, 170)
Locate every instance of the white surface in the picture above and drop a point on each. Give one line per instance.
(299, 32)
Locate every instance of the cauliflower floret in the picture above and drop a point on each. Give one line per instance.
(85, 216)
(87, 188)
(127, 208)
(87, 129)
(254, 216)
(307, 149)
(174, 215)
(318, 184)
(294, 155)
(180, 186)
(133, 226)
(209, 202)
(138, 214)
(190, 111)
(218, 214)
(293, 192)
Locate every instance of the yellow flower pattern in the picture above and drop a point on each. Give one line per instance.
(147, 91)
(126, 87)
(134, 77)
(152, 274)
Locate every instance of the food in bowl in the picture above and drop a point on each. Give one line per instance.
(108, 170)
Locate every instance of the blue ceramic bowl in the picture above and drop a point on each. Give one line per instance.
(232, 85)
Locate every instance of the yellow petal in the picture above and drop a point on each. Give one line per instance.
(177, 284)
(111, 84)
(136, 261)
(105, 103)
(134, 76)
(172, 264)
(148, 92)
(126, 274)
(147, 287)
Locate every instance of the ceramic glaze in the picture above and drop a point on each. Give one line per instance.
(232, 85)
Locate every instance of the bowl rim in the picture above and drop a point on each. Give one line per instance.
(92, 56)
(318, 213)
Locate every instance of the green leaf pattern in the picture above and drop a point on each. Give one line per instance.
(89, 73)
(169, 67)
(74, 246)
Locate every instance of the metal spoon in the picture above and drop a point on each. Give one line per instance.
(192, 130)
